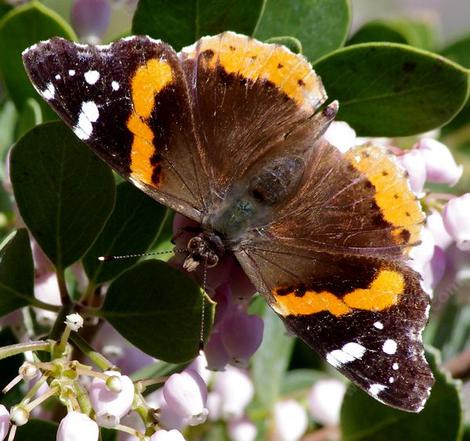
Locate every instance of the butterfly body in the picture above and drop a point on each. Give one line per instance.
(228, 132)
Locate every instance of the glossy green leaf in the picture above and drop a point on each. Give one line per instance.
(131, 229)
(182, 22)
(459, 51)
(387, 89)
(19, 29)
(365, 419)
(320, 25)
(413, 32)
(63, 191)
(40, 430)
(158, 309)
(16, 272)
(270, 362)
(30, 117)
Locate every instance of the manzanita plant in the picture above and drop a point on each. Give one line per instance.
(97, 349)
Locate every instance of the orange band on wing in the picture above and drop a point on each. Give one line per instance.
(253, 60)
(382, 293)
(394, 197)
(147, 82)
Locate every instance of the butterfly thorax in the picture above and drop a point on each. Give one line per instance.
(252, 203)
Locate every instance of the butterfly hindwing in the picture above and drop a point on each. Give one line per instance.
(129, 102)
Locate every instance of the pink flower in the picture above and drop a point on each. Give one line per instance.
(47, 290)
(441, 167)
(457, 220)
(111, 405)
(90, 18)
(290, 421)
(4, 422)
(413, 162)
(435, 224)
(324, 401)
(167, 435)
(241, 336)
(76, 426)
(235, 389)
(186, 395)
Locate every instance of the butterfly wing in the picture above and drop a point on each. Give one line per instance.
(250, 100)
(129, 102)
(332, 264)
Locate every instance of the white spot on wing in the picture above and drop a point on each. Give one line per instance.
(391, 380)
(72, 72)
(375, 389)
(395, 366)
(115, 85)
(92, 76)
(58, 77)
(349, 352)
(378, 325)
(390, 346)
(87, 116)
(49, 92)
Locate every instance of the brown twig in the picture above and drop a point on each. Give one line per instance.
(459, 366)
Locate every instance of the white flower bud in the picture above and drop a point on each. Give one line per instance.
(290, 421)
(441, 167)
(186, 395)
(28, 371)
(74, 322)
(324, 401)
(235, 390)
(104, 419)
(435, 224)
(167, 435)
(19, 415)
(76, 426)
(341, 135)
(4, 422)
(114, 384)
(422, 254)
(242, 429)
(457, 220)
(105, 401)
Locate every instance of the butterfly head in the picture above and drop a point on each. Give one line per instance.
(206, 247)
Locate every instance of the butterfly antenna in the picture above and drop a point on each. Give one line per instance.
(131, 256)
(203, 302)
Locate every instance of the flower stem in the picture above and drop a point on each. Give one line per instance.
(93, 355)
(19, 348)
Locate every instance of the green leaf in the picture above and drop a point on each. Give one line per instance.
(320, 25)
(379, 30)
(19, 29)
(292, 43)
(301, 380)
(413, 32)
(64, 192)
(131, 229)
(30, 117)
(270, 362)
(387, 89)
(8, 117)
(182, 22)
(158, 309)
(16, 272)
(30, 431)
(365, 419)
(459, 51)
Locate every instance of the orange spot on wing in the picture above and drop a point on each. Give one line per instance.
(147, 82)
(254, 60)
(383, 292)
(394, 197)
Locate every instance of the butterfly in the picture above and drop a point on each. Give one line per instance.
(228, 132)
